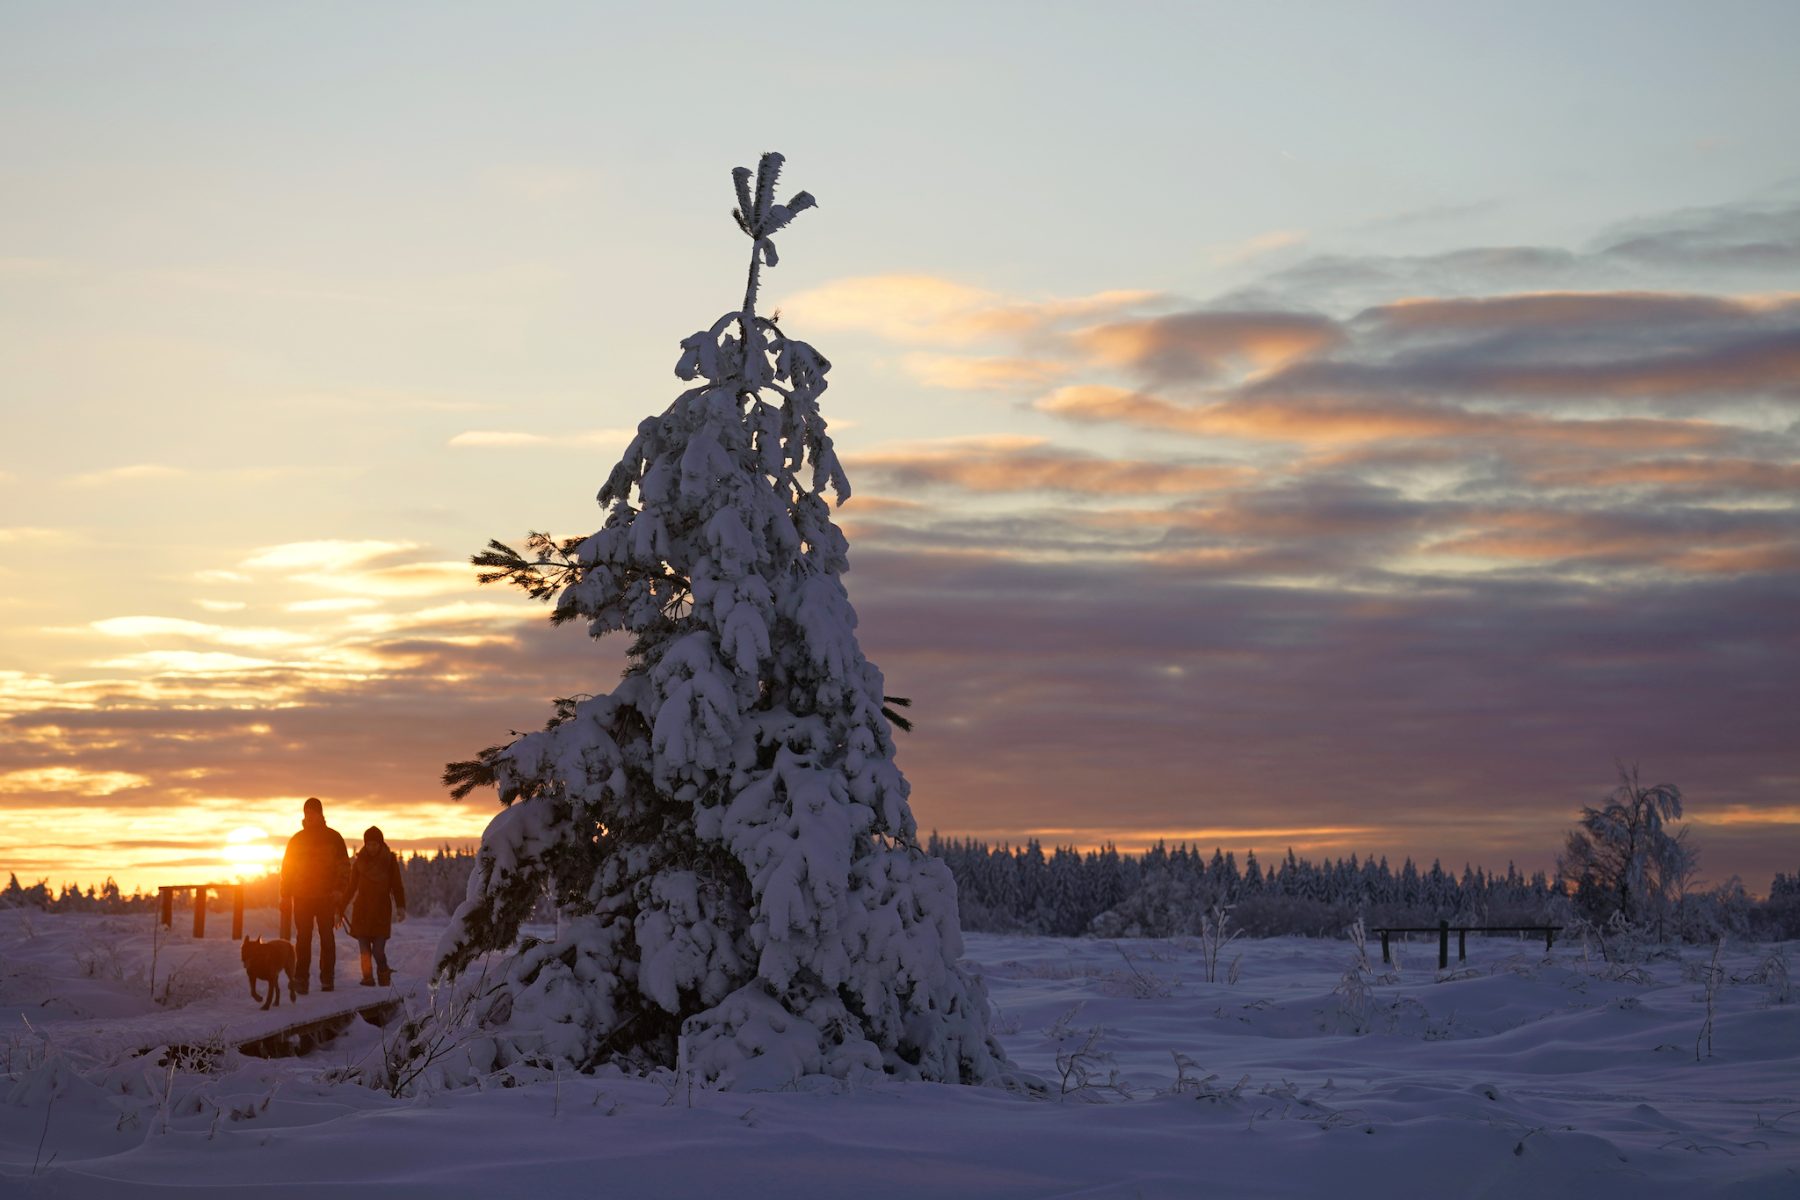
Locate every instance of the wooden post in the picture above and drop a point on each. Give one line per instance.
(200, 911)
(287, 917)
(237, 911)
(1386, 957)
(1443, 945)
(167, 897)
(1462, 945)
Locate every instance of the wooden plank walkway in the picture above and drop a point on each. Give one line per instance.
(297, 1027)
(308, 1033)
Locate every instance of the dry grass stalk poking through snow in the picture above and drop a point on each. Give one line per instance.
(1713, 975)
(1215, 934)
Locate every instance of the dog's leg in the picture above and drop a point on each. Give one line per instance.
(274, 996)
(254, 994)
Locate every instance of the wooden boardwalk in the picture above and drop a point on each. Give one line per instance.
(297, 1027)
(308, 1032)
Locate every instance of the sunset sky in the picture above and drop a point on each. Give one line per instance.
(1346, 427)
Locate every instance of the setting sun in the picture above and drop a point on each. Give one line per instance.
(248, 852)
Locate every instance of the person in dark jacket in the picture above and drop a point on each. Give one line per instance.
(313, 872)
(376, 891)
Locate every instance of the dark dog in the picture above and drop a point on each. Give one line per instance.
(267, 960)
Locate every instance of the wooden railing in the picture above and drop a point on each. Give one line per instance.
(1443, 928)
(166, 895)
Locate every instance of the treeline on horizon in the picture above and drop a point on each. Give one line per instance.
(1162, 892)
(435, 885)
(1170, 892)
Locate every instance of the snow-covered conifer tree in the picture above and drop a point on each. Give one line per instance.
(725, 834)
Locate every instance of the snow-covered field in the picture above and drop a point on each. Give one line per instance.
(1515, 1076)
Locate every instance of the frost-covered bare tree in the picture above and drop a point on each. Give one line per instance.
(1623, 857)
(726, 834)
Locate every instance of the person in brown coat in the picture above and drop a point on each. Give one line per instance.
(312, 877)
(375, 892)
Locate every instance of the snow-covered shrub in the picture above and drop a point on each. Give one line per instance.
(1085, 1071)
(726, 834)
(1162, 907)
(444, 1039)
(189, 982)
(1723, 911)
(1774, 973)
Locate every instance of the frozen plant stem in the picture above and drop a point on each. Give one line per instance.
(1714, 976)
(44, 1133)
(1215, 935)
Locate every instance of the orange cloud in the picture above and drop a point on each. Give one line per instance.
(1739, 560)
(1733, 547)
(1679, 475)
(1559, 310)
(330, 552)
(1316, 422)
(1202, 345)
(136, 473)
(1032, 465)
(617, 439)
(931, 309)
(981, 374)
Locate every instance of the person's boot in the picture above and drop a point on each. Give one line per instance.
(368, 969)
(325, 985)
(387, 977)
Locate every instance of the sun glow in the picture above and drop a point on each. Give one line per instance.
(249, 853)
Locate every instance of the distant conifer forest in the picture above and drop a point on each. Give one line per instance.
(1163, 892)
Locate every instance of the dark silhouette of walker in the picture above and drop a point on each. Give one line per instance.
(1443, 929)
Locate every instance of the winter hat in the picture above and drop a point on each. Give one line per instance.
(313, 805)
(373, 834)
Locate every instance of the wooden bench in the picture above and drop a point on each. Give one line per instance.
(166, 895)
(1443, 928)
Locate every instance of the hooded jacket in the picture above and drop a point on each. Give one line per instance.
(375, 878)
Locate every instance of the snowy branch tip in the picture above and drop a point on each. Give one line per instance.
(759, 216)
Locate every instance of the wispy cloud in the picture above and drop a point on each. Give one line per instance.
(324, 553)
(135, 473)
(1024, 464)
(1734, 238)
(501, 438)
(69, 780)
(1259, 246)
(929, 309)
(223, 635)
(976, 373)
(330, 604)
(1329, 422)
(1197, 346)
